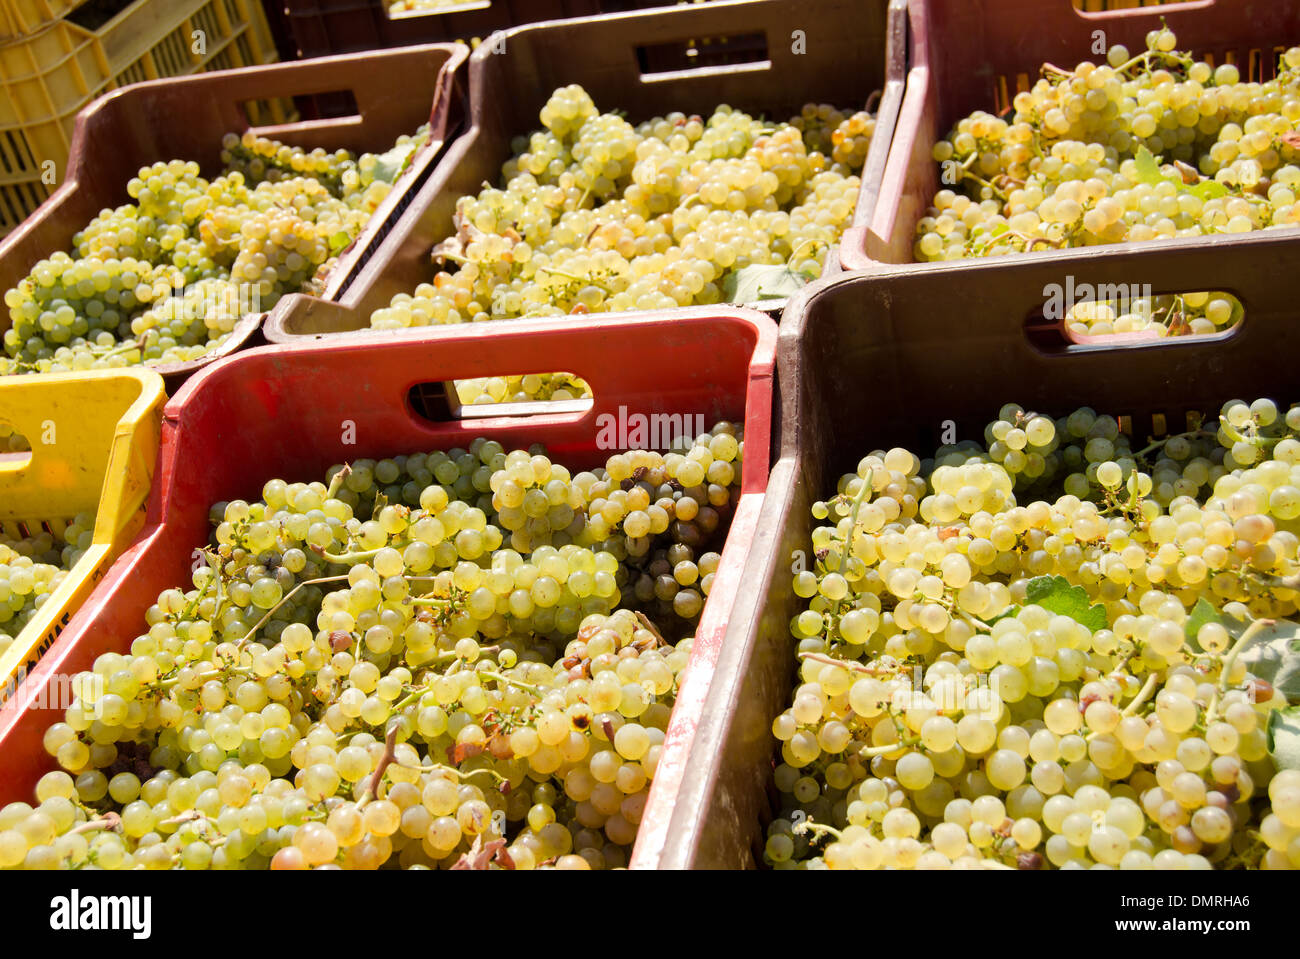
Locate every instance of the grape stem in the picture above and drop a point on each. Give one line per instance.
(203, 677)
(1230, 660)
(589, 281)
(870, 752)
(798, 250)
(216, 576)
(110, 822)
(817, 829)
(128, 346)
(536, 691)
(347, 559)
(337, 480)
(1284, 582)
(284, 599)
(967, 174)
(1212, 711)
(858, 500)
(190, 815)
(372, 787)
(846, 664)
(1157, 444)
(1143, 695)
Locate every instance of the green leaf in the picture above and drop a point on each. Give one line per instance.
(339, 241)
(763, 281)
(390, 164)
(1284, 737)
(1207, 190)
(1272, 656)
(1056, 595)
(1203, 612)
(1148, 170)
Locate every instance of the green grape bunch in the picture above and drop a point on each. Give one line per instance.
(157, 280)
(595, 214)
(1135, 148)
(461, 659)
(33, 566)
(1055, 648)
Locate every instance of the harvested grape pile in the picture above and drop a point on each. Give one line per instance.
(1136, 148)
(166, 277)
(599, 215)
(1052, 650)
(32, 567)
(456, 659)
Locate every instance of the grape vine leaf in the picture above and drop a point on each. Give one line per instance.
(1284, 737)
(390, 164)
(1203, 612)
(764, 281)
(1056, 595)
(1207, 190)
(1149, 172)
(1274, 656)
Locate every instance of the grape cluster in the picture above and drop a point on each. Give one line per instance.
(166, 277)
(1077, 164)
(32, 567)
(521, 389)
(1183, 314)
(599, 215)
(261, 158)
(464, 658)
(1011, 660)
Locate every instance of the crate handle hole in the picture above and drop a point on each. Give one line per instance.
(328, 105)
(485, 397)
(15, 449)
(702, 56)
(1120, 315)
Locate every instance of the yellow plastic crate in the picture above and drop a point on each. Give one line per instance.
(47, 78)
(18, 18)
(104, 428)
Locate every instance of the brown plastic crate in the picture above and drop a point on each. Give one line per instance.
(321, 27)
(849, 54)
(869, 362)
(967, 55)
(186, 118)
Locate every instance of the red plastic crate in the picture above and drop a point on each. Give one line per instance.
(322, 27)
(280, 411)
(185, 119)
(967, 55)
